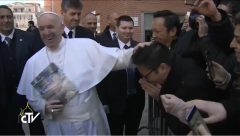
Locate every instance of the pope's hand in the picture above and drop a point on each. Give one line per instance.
(53, 106)
(140, 45)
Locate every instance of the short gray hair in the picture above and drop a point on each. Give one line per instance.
(76, 4)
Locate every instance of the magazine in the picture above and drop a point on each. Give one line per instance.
(54, 85)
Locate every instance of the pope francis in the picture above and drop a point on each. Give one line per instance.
(85, 63)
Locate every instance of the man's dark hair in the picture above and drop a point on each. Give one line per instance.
(31, 22)
(152, 56)
(6, 7)
(217, 2)
(76, 4)
(171, 20)
(224, 2)
(235, 7)
(124, 18)
(237, 19)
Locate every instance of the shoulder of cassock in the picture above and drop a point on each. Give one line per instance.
(87, 63)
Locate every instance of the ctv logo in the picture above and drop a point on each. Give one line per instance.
(26, 115)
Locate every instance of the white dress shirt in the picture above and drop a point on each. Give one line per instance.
(10, 35)
(121, 44)
(111, 32)
(66, 31)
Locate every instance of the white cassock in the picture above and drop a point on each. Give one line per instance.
(85, 63)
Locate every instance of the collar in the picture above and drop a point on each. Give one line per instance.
(121, 44)
(10, 35)
(61, 44)
(111, 33)
(66, 30)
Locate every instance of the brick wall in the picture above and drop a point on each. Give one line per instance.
(134, 8)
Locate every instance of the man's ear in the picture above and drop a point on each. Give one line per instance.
(164, 68)
(61, 11)
(173, 32)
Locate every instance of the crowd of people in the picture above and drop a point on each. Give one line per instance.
(195, 62)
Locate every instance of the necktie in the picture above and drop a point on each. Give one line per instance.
(131, 89)
(114, 36)
(7, 41)
(126, 47)
(70, 34)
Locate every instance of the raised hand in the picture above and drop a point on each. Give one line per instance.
(207, 8)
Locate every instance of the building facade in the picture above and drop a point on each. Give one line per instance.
(140, 10)
(24, 12)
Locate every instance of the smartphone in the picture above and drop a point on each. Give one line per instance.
(209, 65)
(196, 122)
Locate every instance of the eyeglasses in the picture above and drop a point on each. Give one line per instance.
(146, 75)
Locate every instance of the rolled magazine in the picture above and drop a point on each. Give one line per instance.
(52, 84)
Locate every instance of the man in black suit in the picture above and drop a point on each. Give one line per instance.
(16, 46)
(106, 38)
(121, 90)
(90, 22)
(109, 33)
(71, 13)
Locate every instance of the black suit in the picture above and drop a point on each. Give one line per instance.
(13, 59)
(105, 37)
(82, 32)
(124, 109)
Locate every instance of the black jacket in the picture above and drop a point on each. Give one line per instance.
(188, 82)
(105, 37)
(194, 83)
(113, 89)
(23, 46)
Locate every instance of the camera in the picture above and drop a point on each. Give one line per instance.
(192, 20)
(194, 14)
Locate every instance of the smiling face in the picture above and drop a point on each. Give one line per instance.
(6, 21)
(71, 17)
(125, 31)
(51, 29)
